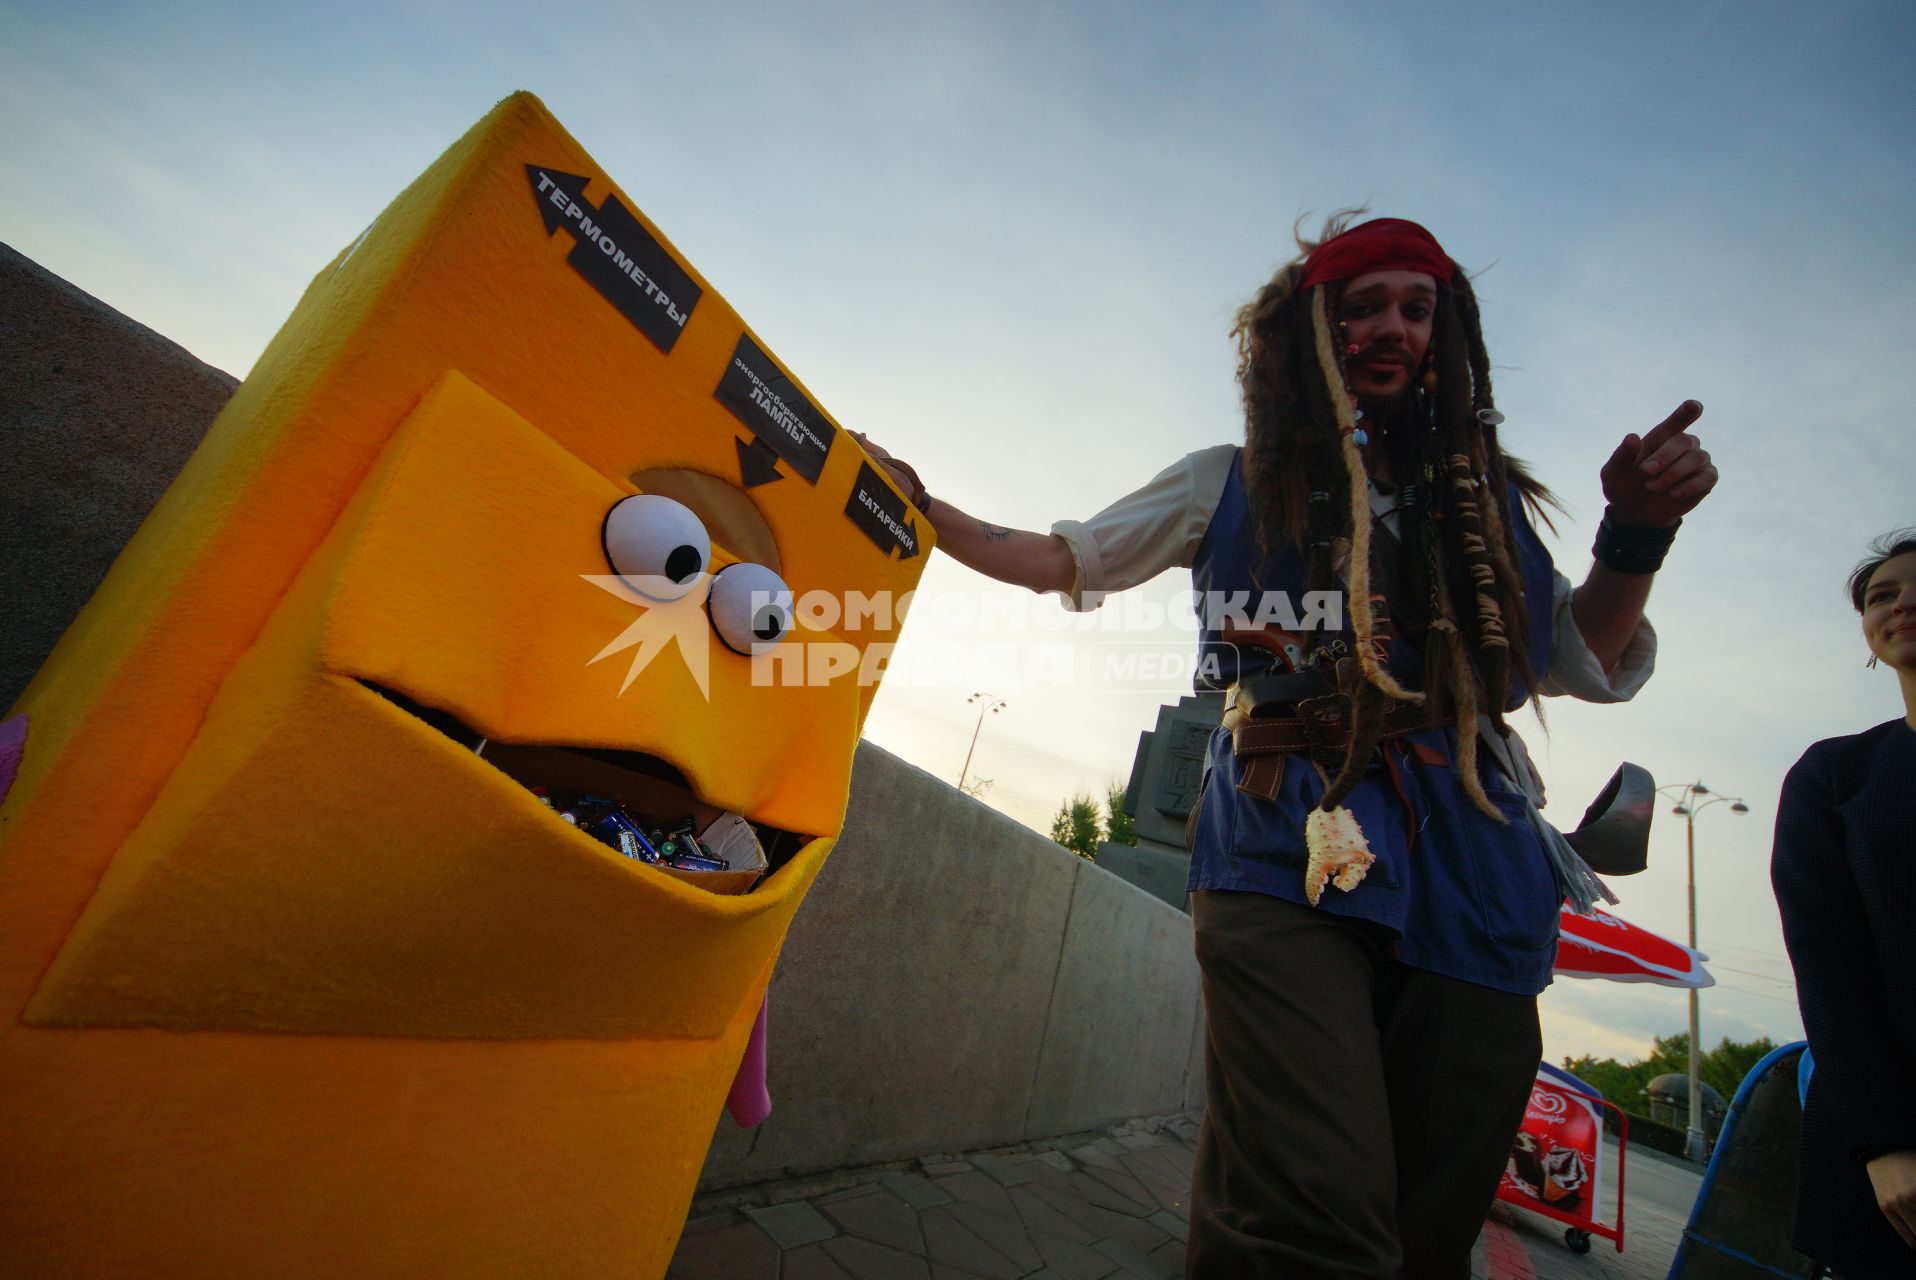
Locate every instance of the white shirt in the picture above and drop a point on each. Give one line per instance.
(1160, 525)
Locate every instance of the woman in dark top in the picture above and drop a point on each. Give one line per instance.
(1844, 870)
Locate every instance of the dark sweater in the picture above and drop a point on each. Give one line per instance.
(1844, 870)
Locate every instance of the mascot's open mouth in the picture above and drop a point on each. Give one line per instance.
(635, 803)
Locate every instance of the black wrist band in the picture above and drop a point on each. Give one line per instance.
(1632, 549)
(922, 500)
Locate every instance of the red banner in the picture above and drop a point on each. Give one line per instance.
(1600, 945)
(1554, 1163)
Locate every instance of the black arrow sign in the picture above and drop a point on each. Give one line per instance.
(882, 515)
(617, 256)
(763, 397)
(757, 463)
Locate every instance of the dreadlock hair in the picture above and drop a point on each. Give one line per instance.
(1307, 482)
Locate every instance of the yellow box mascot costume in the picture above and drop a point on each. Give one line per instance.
(293, 979)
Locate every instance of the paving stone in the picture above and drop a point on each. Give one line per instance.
(709, 1222)
(793, 1224)
(1039, 1169)
(738, 1252)
(1126, 1184)
(1040, 1216)
(915, 1190)
(1169, 1162)
(869, 1261)
(1005, 1172)
(1098, 1190)
(975, 1188)
(949, 1241)
(1172, 1225)
(1070, 1217)
(1141, 1141)
(939, 1271)
(1173, 1196)
(1006, 1235)
(940, 1166)
(812, 1263)
(879, 1216)
(1070, 1259)
(1102, 1151)
(1135, 1263)
(1102, 1223)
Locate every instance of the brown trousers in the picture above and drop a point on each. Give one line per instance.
(1358, 1112)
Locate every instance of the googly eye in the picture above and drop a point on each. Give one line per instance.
(750, 607)
(656, 544)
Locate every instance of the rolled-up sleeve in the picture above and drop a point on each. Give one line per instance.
(1142, 534)
(1575, 671)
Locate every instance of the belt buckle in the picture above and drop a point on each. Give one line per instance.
(1326, 723)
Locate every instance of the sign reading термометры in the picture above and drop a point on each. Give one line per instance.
(617, 256)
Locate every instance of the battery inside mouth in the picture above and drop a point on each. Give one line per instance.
(635, 781)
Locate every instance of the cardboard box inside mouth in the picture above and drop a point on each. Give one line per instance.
(666, 801)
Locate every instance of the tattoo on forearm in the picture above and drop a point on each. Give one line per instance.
(995, 532)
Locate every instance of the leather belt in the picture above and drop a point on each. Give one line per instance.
(1318, 727)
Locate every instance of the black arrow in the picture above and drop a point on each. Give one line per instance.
(571, 185)
(763, 397)
(617, 255)
(757, 463)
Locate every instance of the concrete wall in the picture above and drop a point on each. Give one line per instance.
(957, 981)
(99, 413)
(953, 981)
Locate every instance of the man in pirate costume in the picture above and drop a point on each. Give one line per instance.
(1374, 894)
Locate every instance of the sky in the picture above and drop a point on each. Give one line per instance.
(1007, 239)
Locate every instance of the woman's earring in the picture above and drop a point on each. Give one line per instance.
(1871, 664)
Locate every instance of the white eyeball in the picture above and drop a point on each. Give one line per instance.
(750, 606)
(656, 544)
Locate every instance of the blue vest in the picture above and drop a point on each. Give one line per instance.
(1468, 897)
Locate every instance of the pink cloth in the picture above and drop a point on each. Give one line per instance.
(750, 1101)
(13, 745)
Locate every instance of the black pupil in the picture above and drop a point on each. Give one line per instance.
(769, 624)
(682, 563)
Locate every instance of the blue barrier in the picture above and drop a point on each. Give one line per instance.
(1739, 1225)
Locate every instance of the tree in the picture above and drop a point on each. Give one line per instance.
(1076, 826)
(1118, 826)
(1722, 1068)
(976, 788)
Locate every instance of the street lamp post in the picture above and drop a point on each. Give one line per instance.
(988, 704)
(1687, 808)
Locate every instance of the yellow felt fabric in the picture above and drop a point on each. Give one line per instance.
(246, 1156)
(322, 861)
(244, 901)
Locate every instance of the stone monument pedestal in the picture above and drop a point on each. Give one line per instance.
(1166, 775)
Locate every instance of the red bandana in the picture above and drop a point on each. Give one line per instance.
(1382, 244)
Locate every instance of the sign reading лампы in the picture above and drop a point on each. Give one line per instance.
(771, 406)
(617, 256)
